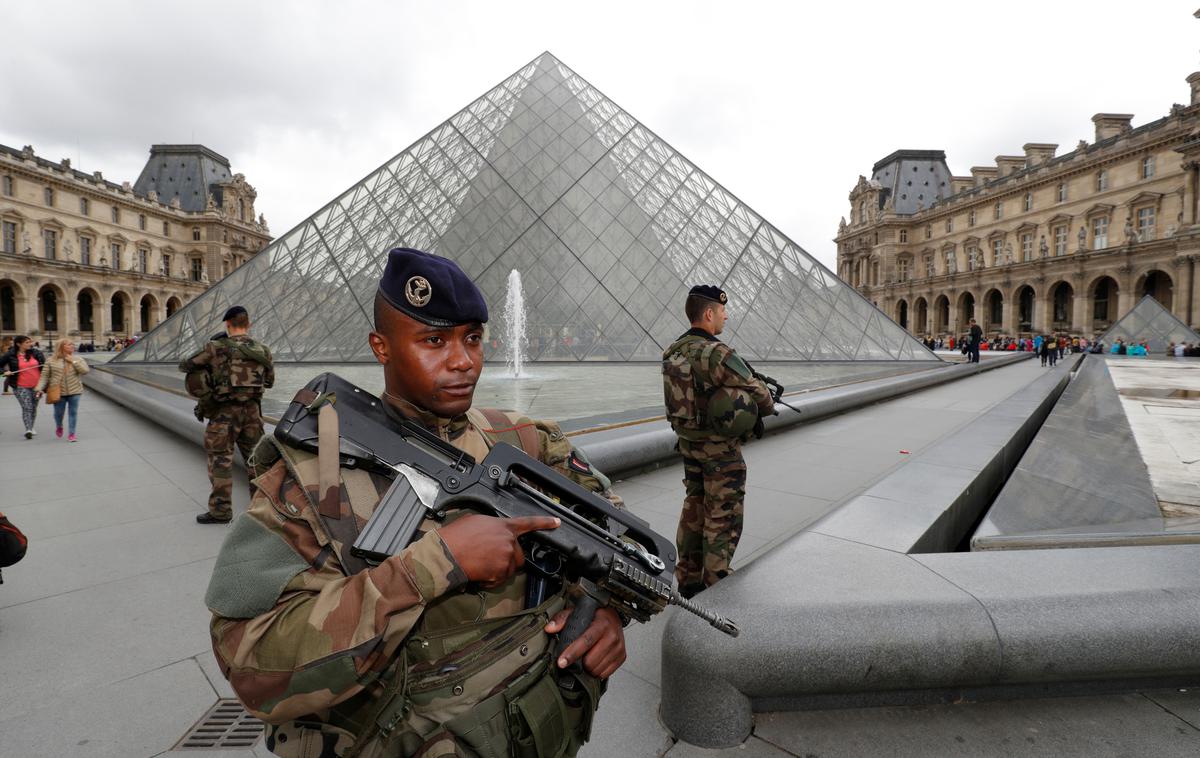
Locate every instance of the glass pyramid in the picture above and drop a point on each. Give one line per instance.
(608, 225)
(1149, 321)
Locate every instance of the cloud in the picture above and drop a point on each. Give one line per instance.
(783, 103)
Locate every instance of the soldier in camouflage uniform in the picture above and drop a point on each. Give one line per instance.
(713, 403)
(234, 370)
(433, 652)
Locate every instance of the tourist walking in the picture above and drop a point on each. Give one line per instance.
(62, 386)
(235, 371)
(1052, 345)
(714, 403)
(23, 363)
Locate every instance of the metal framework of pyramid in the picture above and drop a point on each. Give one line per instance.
(606, 223)
(1149, 321)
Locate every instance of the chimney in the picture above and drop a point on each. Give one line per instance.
(983, 174)
(1111, 124)
(1009, 164)
(1037, 153)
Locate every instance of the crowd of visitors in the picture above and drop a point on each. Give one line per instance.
(1049, 347)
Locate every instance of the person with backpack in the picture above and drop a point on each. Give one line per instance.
(714, 403)
(13, 544)
(434, 651)
(24, 365)
(228, 378)
(61, 384)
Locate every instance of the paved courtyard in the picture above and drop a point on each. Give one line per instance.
(103, 631)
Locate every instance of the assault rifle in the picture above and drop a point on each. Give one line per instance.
(628, 566)
(776, 389)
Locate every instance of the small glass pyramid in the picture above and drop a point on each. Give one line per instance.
(608, 225)
(1151, 323)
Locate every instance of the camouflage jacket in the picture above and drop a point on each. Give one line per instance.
(235, 376)
(317, 651)
(695, 366)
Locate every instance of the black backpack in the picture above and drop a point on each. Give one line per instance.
(13, 544)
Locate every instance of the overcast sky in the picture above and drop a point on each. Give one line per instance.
(784, 103)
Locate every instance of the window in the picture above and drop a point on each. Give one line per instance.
(903, 234)
(9, 237)
(902, 269)
(971, 218)
(951, 264)
(1101, 181)
(1027, 246)
(84, 206)
(8, 185)
(196, 234)
(1148, 167)
(1062, 192)
(143, 260)
(116, 215)
(950, 225)
(166, 229)
(1028, 201)
(166, 265)
(1060, 240)
(929, 265)
(116, 255)
(997, 252)
(862, 212)
(48, 196)
(85, 250)
(1145, 224)
(972, 257)
(1100, 233)
(929, 231)
(142, 221)
(50, 238)
(998, 210)
(197, 269)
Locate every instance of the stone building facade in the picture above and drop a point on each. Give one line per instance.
(84, 257)
(1038, 242)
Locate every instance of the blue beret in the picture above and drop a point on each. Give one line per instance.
(233, 312)
(430, 289)
(709, 292)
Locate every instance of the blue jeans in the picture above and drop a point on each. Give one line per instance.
(67, 402)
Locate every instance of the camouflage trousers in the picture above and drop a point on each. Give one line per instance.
(714, 482)
(239, 424)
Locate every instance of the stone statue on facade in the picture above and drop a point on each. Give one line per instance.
(210, 203)
(1008, 253)
(1043, 248)
(262, 222)
(1131, 235)
(68, 250)
(1082, 238)
(26, 243)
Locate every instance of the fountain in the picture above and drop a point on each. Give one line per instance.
(514, 324)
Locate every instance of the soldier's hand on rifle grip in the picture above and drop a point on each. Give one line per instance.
(601, 647)
(486, 548)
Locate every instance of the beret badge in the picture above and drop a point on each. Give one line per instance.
(724, 298)
(418, 291)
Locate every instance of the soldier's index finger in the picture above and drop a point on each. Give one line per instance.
(522, 524)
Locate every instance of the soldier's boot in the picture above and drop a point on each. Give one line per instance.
(689, 538)
(725, 494)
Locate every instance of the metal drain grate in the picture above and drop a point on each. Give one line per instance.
(225, 726)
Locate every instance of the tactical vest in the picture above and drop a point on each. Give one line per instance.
(459, 679)
(237, 373)
(685, 389)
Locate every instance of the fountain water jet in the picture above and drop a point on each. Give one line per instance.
(514, 324)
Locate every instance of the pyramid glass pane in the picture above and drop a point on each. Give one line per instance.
(1151, 323)
(607, 224)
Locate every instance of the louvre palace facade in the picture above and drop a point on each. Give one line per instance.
(84, 257)
(1039, 241)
